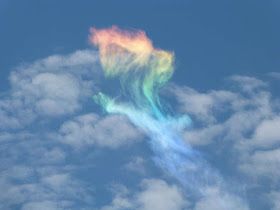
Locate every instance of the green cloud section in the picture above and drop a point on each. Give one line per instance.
(141, 68)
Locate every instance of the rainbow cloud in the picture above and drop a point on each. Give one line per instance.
(132, 57)
(143, 70)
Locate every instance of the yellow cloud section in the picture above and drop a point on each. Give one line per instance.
(121, 47)
(122, 51)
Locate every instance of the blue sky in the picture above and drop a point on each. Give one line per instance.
(60, 151)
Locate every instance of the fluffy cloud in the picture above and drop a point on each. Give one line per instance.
(157, 194)
(267, 133)
(202, 106)
(262, 164)
(242, 126)
(54, 94)
(50, 87)
(154, 194)
(45, 104)
(90, 129)
(275, 197)
(35, 173)
(231, 115)
(218, 200)
(226, 115)
(49, 187)
(137, 164)
(46, 205)
(44, 111)
(247, 84)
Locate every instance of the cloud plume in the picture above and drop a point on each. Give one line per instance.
(143, 70)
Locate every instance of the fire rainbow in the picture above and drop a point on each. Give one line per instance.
(142, 70)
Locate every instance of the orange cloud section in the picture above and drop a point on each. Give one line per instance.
(122, 51)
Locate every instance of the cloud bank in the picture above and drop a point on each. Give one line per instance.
(51, 139)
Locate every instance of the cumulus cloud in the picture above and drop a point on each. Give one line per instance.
(262, 164)
(137, 164)
(46, 205)
(239, 125)
(28, 186)
(50, 87)
(203, 106)
(54, 94)
(247, 83)
(40, 114)
(224, 115)
(275, 197)
(158, 194)
(219, 200)
(234, 115)
(43, 112)
(153, 194)
(267, 133)
(90, 129)
(35, 173)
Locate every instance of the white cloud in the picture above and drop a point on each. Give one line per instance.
(45, 205)
(50, 87)
(47, 190)
(219, 200)
(55, 94)
(230, 110)
(53, 155)
(262, 164)
(267, 133)
(34, 173)
(137, 164)
(243, 115)
(90, 129)
(120, 202)
(274, 196)
(6, 136)
(243, 122)
(205, 135)
(247, 84)
(154, 194)
(34, 170)
(13, 114)
(275, 75)
(157, 194)
(203, 106)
